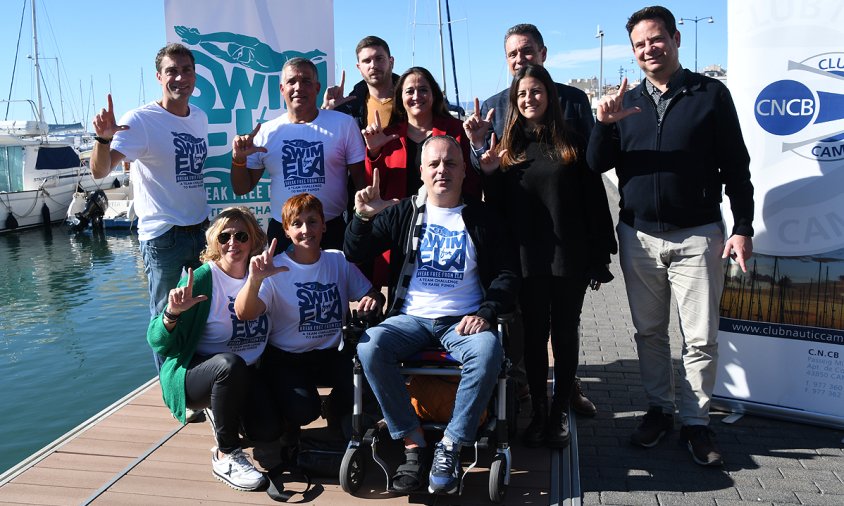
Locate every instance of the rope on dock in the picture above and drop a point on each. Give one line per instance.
(131, 466)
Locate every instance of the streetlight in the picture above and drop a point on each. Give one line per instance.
(695, 20)
(600, 35)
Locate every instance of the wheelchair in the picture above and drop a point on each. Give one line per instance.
(493, 434)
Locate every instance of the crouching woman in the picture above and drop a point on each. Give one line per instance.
(210, 354)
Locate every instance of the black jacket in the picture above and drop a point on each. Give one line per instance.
(671, 174)
(394, 229)
(556, 212)
(356, 107)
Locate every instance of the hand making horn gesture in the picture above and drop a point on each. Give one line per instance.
(333, 96)
(181, 299)
(610, 108)
(261, 266)
(105, 125)
(243, 146)
(491, 160)
(477, 127)
(374, 136)
(368, 201)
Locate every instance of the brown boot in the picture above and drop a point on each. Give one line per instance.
(579, 403)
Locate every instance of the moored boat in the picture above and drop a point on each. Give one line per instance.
(38, 177)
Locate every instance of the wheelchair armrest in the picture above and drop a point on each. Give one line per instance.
(506, 317)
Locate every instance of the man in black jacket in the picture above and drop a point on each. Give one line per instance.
(374, 92)
(451, 274)
(674, 141)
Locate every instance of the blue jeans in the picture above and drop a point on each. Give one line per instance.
(164, 259)
(398, 337)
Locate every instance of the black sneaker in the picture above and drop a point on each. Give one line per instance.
(698, 439)
(655, 424)
(445, 470)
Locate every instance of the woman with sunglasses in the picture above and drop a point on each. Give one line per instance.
(557, 212)
(210, 354)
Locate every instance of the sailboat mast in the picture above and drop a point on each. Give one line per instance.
(451, 46)
(37, 66)
(442, 51)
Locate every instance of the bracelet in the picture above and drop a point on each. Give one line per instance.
(235, 163)
(102, 140)
(170, 316)
(362, 217)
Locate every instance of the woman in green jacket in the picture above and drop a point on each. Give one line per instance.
(210, 355)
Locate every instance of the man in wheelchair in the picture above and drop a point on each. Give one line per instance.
(451, 274)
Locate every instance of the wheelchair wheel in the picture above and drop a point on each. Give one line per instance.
(497, 477)
(352, 470)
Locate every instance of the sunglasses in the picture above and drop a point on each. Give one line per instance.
(224, 237)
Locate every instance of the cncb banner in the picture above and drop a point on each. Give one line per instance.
(240, 48)
(782, 323)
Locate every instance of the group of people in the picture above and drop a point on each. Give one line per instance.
(461, 221)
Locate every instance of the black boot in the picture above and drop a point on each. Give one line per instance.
(534, 435)
(558, 434)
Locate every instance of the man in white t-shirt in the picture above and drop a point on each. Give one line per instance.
(167, 139)
(452, 274)
(305, 150)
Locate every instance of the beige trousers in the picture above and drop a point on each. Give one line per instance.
(686, 263)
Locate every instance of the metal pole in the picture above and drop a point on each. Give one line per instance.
(37, 67)
(600, 35)
(442, 51)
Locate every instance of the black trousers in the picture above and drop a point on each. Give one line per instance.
(294, 378)
(335, 230)
(552, 305)
(238, 397)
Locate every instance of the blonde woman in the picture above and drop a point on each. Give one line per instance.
(210, 355)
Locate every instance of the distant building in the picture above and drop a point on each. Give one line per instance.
(715, 71)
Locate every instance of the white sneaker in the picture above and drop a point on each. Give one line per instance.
(235, 470)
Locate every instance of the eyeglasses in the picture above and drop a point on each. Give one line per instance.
(224, 237)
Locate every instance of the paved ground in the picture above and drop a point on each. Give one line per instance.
(766, 461)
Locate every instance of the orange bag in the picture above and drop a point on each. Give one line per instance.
(433, 397)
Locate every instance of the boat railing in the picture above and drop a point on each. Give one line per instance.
(24, 128)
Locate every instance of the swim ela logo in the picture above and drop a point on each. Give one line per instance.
(789, 108)
(319, 306)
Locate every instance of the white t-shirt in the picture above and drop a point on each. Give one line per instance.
(224, 332)
(445, 281)
(309, 157)
(308, 302)
(170, 153)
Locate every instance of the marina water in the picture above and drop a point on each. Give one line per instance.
(72, 332)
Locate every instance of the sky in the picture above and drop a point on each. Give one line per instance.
(98, 46)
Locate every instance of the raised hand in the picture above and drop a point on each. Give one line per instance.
(181, 299)
(242, 145)
(333, 96)
(611, 107)
(105, 125)
(477, 127)
(261, 266)
(491, 160)
(374, 136)
(368, 201)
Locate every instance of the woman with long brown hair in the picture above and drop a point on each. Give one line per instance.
(557, 212)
